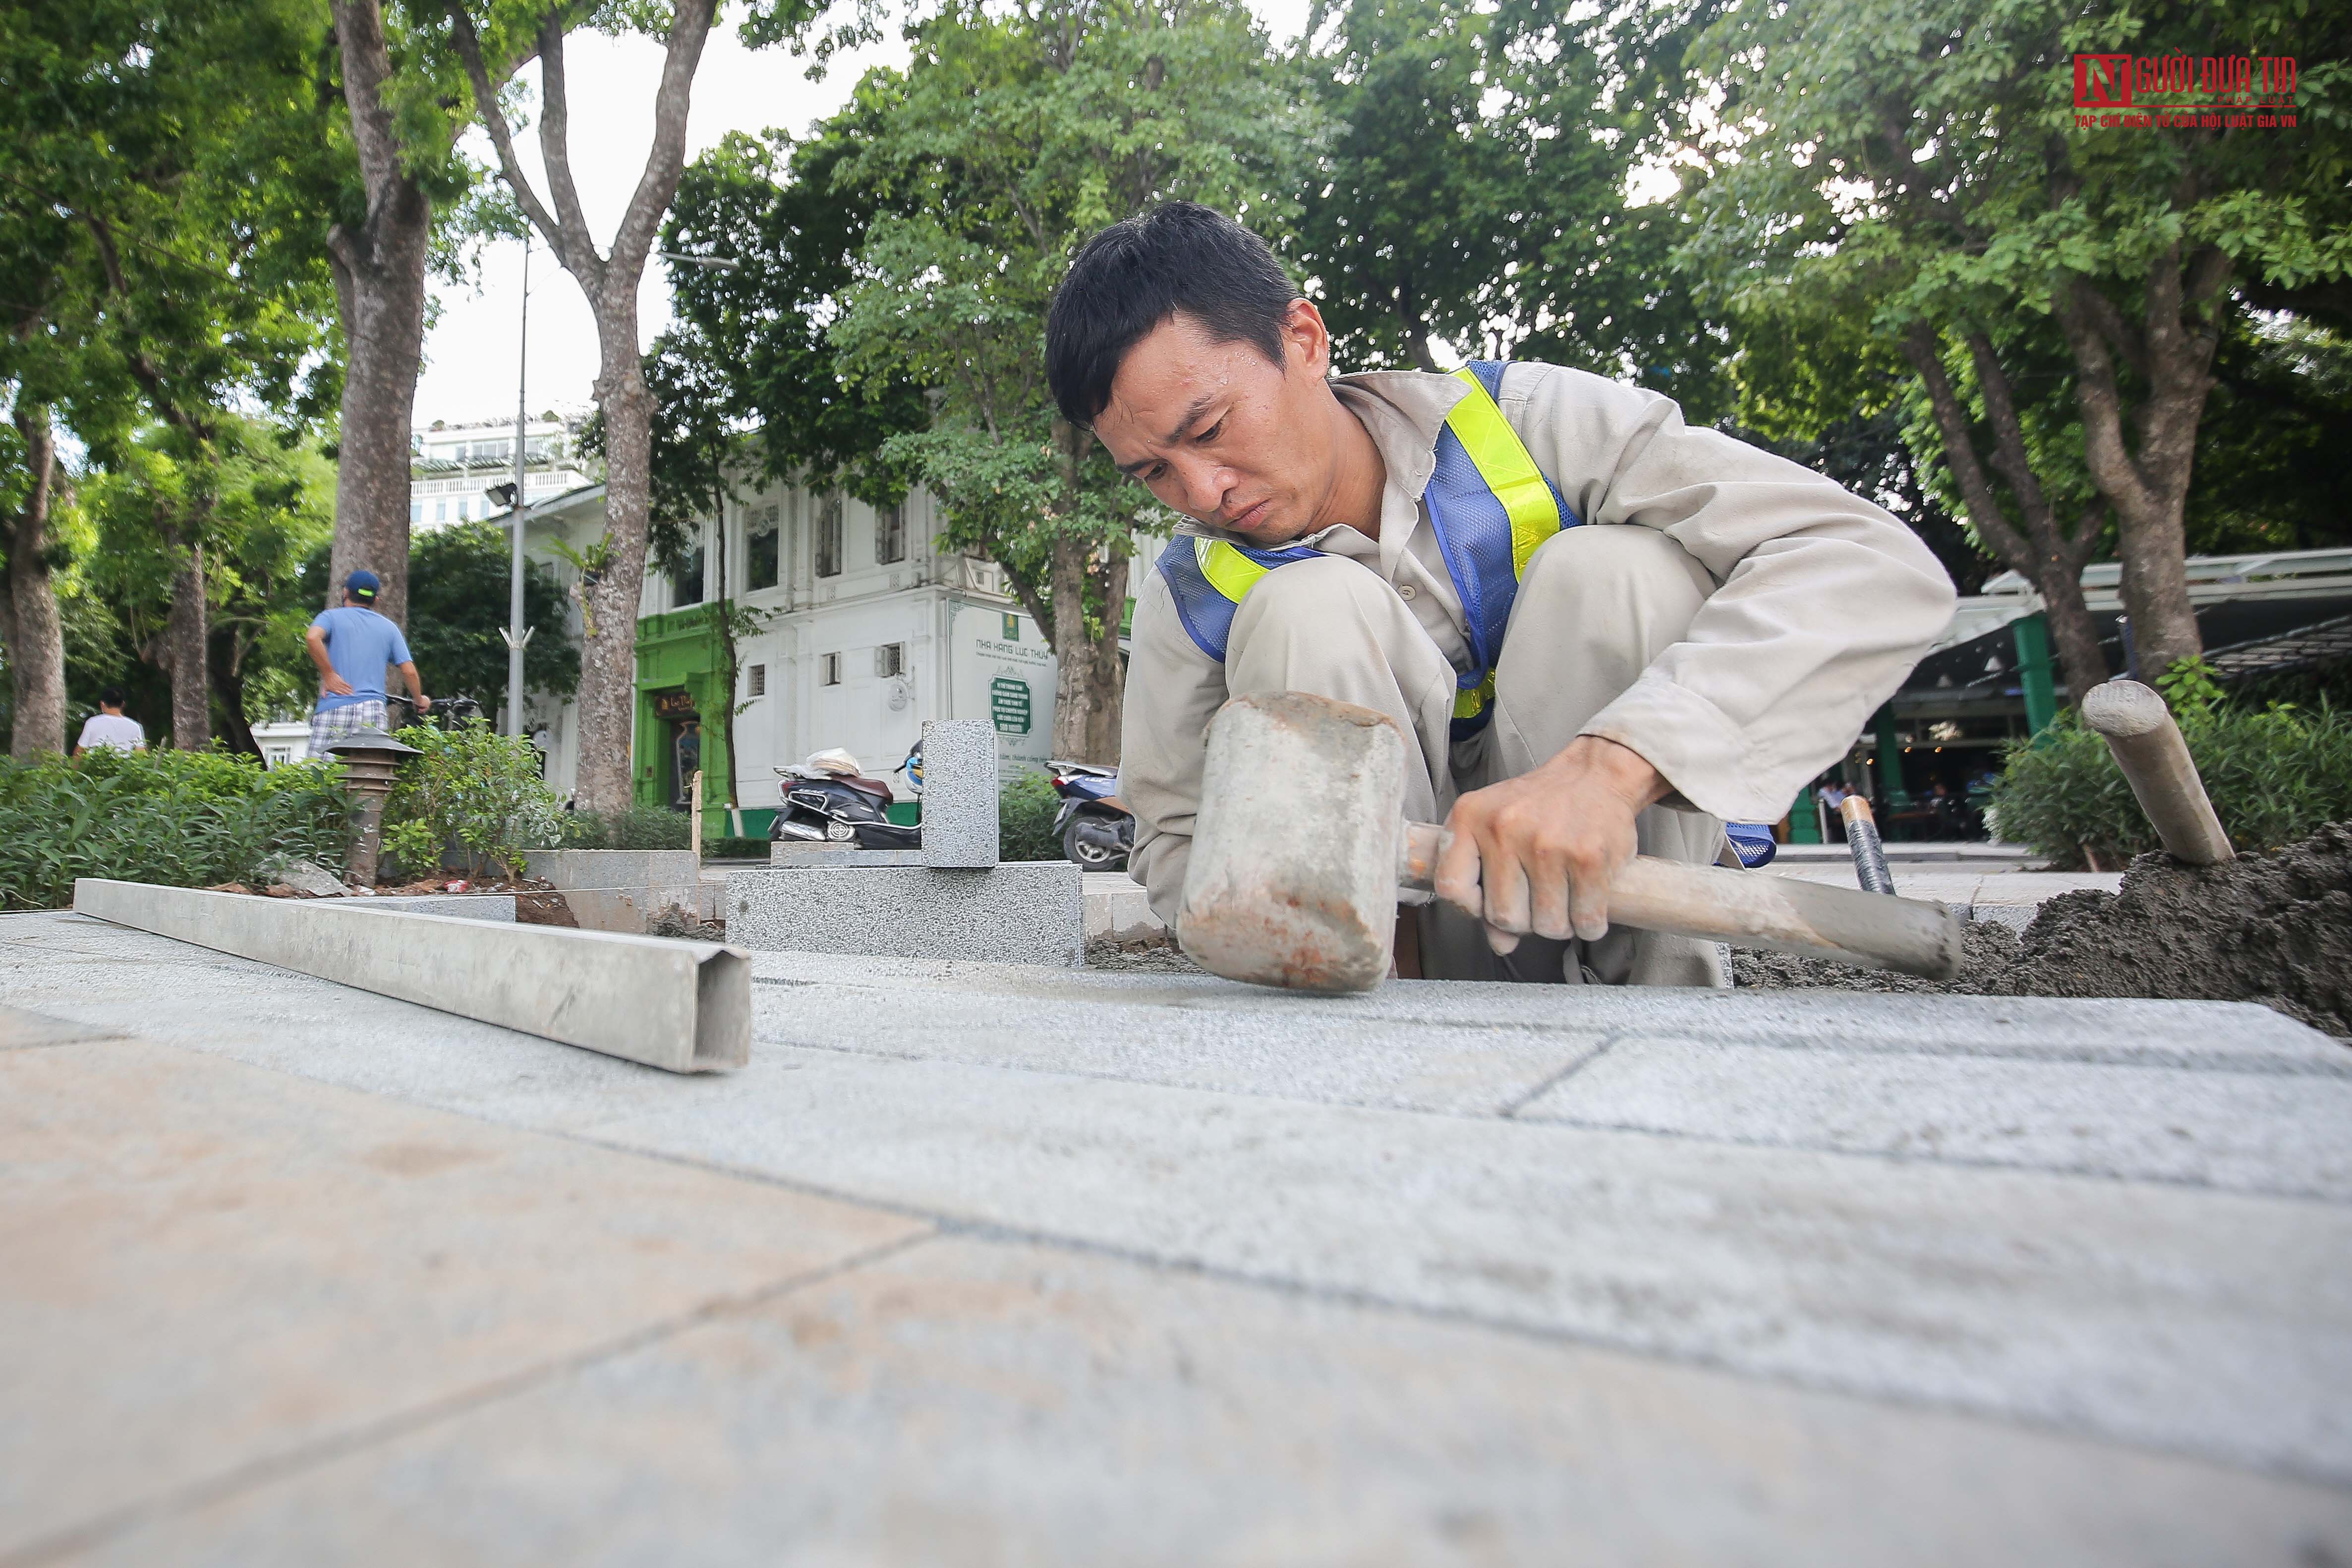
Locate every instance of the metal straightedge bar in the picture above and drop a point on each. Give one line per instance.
(681, 1005)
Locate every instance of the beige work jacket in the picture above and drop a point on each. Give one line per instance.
(1823, 601)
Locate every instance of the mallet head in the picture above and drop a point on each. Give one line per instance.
(1293, 880)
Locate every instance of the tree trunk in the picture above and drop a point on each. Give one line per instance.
(2036, 546)
(34, 632)
(1109, 676)
(228, 685)
(1088, 682)
(380, 292)
(608, 658)
(2147, 480)
(379, 271)
(608, 663)
(185, 635)
(1074, 655)
(2073, 632)
(730, 659)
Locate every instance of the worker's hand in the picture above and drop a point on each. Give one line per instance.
(424, 703)
(1536, 853)
(334, 685)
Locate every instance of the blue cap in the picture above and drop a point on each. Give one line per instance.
(362, 583)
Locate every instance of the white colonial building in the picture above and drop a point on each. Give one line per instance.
(451, 466)
(865, 630)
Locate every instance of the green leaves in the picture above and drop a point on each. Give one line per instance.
(472, 788)
(2275, 774)
(180, 818)
(458, 607)
(1474, 188)
(1007, 143)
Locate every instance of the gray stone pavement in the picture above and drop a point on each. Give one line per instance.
(983, 1264)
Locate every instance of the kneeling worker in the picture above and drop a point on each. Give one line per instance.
(1607, 632)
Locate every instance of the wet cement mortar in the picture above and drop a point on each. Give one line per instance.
(2274, 929)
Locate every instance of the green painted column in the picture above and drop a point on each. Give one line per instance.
(1890, 762)
(2035, 670)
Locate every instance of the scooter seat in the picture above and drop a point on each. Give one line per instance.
(863, 785)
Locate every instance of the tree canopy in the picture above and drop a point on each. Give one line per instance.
(1910, 177)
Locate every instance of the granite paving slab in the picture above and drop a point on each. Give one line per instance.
(967, 1403)
(2246, 1132)
(2193, 1320)
(1442, 1273)
(211, 1268)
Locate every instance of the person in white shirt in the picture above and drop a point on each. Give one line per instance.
(108, 727)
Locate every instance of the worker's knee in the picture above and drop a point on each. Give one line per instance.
(1329, 596)
(1592, 575)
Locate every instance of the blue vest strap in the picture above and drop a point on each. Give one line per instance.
(1208, 578)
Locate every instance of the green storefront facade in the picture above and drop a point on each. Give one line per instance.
(682, 696)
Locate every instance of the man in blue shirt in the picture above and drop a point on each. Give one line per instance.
(352, 645)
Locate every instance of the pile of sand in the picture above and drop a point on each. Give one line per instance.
(2274, 929)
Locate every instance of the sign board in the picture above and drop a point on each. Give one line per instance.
(678, 704)
(1008, 704)
(1007, 679)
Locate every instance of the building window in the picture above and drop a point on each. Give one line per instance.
(889, 660)
(440, 512)
(828, 536)
(755, 681)
(828, 671)
(689, 580)
(760, 548)
(417, 511)
(889, 536)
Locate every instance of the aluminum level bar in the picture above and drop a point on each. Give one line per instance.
(685, 1006)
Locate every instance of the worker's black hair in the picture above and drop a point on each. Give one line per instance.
(109, 698)
(1137, 274)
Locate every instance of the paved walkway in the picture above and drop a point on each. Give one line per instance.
(980, 1265)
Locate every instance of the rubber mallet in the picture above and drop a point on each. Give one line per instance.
(1301, 846)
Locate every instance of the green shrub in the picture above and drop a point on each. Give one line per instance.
(724, 849)
(186, 819)
(638, 827)
(474, 789)
(2275, 774)
(1024, 819)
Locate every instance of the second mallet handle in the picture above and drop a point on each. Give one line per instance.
(2147, 747)
(1863, 843)
(1753, 908)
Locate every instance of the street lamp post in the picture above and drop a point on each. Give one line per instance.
(517, 633)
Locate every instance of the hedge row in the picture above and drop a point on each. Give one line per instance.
(2275, 774)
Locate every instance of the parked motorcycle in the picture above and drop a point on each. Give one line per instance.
(1097, 831)
(828, 800)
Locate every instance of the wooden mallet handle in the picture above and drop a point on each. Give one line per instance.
(2147, 747)
(1752, 909)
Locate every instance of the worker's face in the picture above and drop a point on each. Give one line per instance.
(1223, 434)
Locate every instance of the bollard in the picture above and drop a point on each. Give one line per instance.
(960, 793)
(369, 759)
(2147, 747)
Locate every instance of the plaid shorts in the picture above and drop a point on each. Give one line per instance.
(329, 725)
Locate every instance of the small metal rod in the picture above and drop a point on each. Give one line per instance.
(1862, 843)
